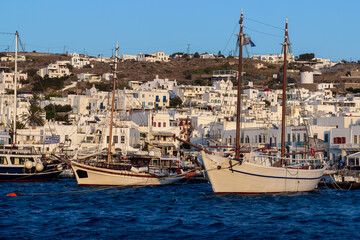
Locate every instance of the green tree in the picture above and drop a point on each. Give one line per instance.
(175, 101)
(34, 115)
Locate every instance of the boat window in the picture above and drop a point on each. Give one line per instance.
(17, 160)
(3, 160)
(82, 174)
(155, 162)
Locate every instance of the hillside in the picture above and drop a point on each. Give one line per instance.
(185, 71)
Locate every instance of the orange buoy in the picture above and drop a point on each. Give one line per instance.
(11, 195)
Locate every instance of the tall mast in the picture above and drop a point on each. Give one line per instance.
(112, 105)
(283, 121)
(238, 107)
(15, 89)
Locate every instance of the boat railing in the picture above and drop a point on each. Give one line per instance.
(275, 161)
(114, 166)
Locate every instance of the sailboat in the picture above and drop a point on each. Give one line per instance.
(22, 163)
(118, 170)
(255, 172)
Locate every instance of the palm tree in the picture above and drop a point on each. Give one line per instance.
(34, 115)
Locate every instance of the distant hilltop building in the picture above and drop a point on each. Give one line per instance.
(10, 58)
(156, 57)
(274, 59)
(55, 70)
(128, 57)
(306, 75)
(79, 62)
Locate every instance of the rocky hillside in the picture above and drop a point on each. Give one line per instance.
(185, 71)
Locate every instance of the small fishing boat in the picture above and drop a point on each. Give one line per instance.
(21, 163)
(24, 165)
(344, 179)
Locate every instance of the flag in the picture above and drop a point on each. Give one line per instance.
(246, 41)
(252, 44)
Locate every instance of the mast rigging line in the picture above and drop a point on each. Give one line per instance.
(269, 34)
(266, 24)
(5, 33)
(231, 36)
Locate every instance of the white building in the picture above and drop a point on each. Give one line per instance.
(7, 80)
(155, 57)
(157, 83)
(91, 77)
(10, 58)
(125, 57)
(274, 59)
(55, 70)
(79, 62)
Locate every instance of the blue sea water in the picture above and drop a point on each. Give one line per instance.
(188, 211)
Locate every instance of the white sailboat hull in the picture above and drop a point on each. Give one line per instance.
(90, 175)
(250, 178)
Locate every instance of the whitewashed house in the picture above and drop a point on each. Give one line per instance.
(78, 61)
(55, 70)
(155, 57)
(7, 80)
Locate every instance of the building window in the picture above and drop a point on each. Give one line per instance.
(159, 124)
(326, 137)
(116, 139)
(122, 139)
(164, 124)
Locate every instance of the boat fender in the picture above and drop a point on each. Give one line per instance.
(178, 171)
(143, 169)
(28, 164)
(59, 167)
(218, 167)
(312, 151)
(134, 169)
(39, 167)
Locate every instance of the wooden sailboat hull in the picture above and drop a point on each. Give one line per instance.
(90, 175)
(249, 178)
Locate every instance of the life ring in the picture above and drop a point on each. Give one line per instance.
(312, 151)
(178, 171)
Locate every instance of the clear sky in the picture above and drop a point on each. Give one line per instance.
(327, 28)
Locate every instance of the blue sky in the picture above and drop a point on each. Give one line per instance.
(327, 28)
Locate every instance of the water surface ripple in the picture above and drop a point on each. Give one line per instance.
(189, 211)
